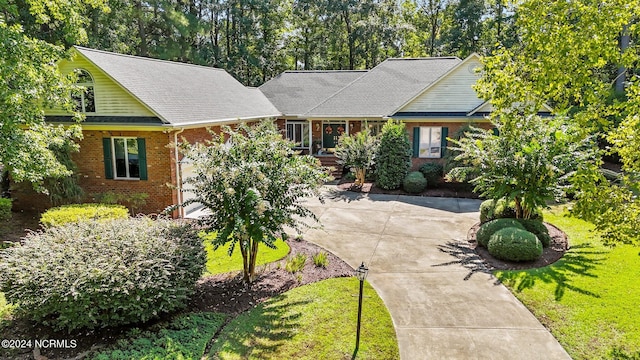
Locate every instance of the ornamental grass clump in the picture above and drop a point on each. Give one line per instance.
(98, 274)
(74, 213)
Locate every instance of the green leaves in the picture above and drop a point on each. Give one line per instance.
(98, 273)
(394, 156)
(527, 162)
(252, 184)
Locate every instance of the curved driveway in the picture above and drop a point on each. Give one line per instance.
(443, 304)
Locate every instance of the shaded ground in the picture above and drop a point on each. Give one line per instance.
(19, 225)
(443, 189)
(559, 245)
(225, 293)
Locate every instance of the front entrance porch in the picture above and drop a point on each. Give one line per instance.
(331, 161)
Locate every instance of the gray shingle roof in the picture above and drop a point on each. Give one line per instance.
(382, 90)
(296, 92)
(181, 93)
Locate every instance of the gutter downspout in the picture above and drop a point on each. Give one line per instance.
(178, 171)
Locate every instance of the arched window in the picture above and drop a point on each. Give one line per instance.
(85, 99)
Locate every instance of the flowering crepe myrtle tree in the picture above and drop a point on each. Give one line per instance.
(531, 160)
(253, 185)
(358, 152)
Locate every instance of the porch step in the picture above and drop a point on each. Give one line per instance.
(331, 162)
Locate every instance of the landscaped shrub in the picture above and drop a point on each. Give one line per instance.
(487, 208)
(499, 209)
(393, 159)
(96, 274)
(432, 172)
(514, 244)
(133, 201)
(81, 212)
(296, 263)
(414, 182)
(538, 228)
(487, 229)
(320, 259)
(5, 209)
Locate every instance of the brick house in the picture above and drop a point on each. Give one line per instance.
(135, 107)
(434, 97)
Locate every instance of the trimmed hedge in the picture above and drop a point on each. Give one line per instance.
(393, 159)
(432, 172)
(414, 183)
(82, 212)
(513, 244)
(97, 274)
(487, 229)
(5, 209)
(538, 228)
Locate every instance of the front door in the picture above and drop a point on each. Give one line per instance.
(330, 135)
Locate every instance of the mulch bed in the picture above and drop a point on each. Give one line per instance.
(224, 293)
(443, 189)
(558, 246)
(233, 297)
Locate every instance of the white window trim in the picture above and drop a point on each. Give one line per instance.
(302, 132)
(126, 158)
(87, 86)
(429, 155)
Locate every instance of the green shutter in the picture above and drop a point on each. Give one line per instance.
(496, 132)
(142, 158)
(108, 164)
(416, 141)
(443, 141)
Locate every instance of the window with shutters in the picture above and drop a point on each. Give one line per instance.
(125, 158)
(430, 143)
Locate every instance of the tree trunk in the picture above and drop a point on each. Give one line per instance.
(245, 261)
(518, 208)
(252, 259)
(141, 31)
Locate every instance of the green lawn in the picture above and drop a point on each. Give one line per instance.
(588, 299)
(219, 261)
(184, 338)
(315, 321)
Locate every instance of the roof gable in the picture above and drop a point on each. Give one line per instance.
(110, 98)
(453, 92)
(296, 92)
(182, 94)
(385, 88)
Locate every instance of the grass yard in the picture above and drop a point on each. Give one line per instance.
(219, 261)
(184, 338)
(588, 299)
(316, 321)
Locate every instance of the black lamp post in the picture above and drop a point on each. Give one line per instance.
(361, 274)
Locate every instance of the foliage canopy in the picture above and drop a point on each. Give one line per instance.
(253, 185)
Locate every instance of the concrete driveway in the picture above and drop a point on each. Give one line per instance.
(443, 303)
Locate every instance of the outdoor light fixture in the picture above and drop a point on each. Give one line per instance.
(361, 274)
(317, 126)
